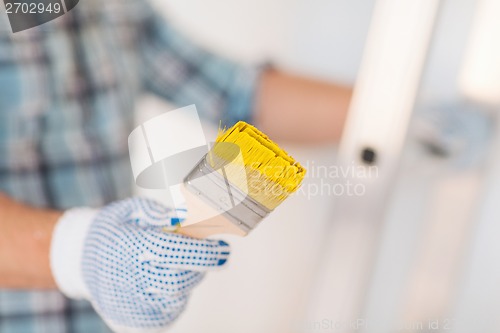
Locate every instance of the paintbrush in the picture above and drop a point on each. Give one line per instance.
(243, 178)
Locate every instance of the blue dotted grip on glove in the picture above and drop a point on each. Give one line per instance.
(139, 276)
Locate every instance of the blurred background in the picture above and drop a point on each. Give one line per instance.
(416, 248)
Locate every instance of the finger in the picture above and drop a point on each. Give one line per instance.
(185, 253)
(165, 281)
(117, 212)
(140, 211)
(152, 213)
(168, 305)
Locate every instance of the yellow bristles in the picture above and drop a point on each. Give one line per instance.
(270, 174)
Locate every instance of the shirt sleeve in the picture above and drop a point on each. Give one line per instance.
(177, 69)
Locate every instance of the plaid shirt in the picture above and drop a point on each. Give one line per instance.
(67, 92)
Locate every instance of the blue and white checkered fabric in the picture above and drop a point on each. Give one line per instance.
(67, 93)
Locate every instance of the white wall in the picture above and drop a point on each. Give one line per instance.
(323, 38)
(320, 37)
(266, 285)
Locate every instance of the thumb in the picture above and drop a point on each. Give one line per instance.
(148, 212)
(184, 253)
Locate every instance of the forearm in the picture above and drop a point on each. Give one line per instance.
(25, 236)
(294, 108)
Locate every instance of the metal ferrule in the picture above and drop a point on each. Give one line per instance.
(234, 204)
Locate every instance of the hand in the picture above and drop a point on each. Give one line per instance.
(137, 277)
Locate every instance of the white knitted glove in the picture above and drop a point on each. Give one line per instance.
(137, 277)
